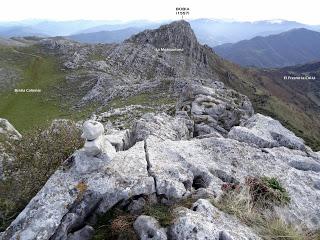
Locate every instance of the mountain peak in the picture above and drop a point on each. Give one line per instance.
(178, 34)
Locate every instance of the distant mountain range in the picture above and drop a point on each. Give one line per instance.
(216, 32)
(135, 72)
(293, 47)
(112, 36)
(208, 31)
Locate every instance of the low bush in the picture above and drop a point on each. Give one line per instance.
(252, 203)
(267, 191)
(115, 224)
(34, 159)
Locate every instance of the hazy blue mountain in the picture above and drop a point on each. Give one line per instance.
(47, 28)
(20, 31)
(208, 31)
(113, 36)
(293, 47)
(63, 28)
(141, 24)
(215, 32)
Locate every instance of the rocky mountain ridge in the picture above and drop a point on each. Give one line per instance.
(214, 140)
(111, 76)
(297, 46)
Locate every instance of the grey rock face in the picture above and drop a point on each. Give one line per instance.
(105, 72)
(181, 167)
(306, 165)
(161, 126)
(148, 228)
(121, 140)
(8, 130)
(84, 233)
(89, 185)
(205, 221)
(214, 110)
(177, 35)
(266, 132)
(160, 157)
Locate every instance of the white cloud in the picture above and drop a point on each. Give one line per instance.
(304, 11)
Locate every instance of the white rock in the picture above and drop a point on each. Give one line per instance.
(105, 183)
(148, 228)
(94, 147)
(92, 130)
(8, 130)
(98, 146)
(265, 132)
(204, 221)
(176, 164)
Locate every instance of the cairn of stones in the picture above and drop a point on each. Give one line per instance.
(93, 134)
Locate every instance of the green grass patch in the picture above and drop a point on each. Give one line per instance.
(28, 110)
(163, 213)
(115, 224)
(25, 110)
(252, 203)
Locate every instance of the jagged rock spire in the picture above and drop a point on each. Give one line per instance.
(177, 34)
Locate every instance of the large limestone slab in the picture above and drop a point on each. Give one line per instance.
(181, 166)
(204, 221)
(8, 130)
(74, 192)
(266, 132)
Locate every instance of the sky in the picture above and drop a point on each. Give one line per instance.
(305, 11)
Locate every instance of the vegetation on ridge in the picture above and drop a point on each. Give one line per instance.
(36, 156)
(253, 204)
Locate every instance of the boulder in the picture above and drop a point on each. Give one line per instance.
(204, 221)
(214, 109)
(7, 130)
(161, 125)
(120, 139)
(266, 132)
(94, 147)
(92, 130)
(89, 186)
(181, 168)
(148, 228)
(84, 233)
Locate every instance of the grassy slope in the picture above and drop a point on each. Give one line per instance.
(28, 110)
(271, 98)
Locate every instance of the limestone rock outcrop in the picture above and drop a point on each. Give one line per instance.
(7, 130)
(266, 132)
(169, 159)
(148, 228)
(215, 109)
(204, 221)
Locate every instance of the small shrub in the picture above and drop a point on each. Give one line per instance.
(36, 156)
(115, 224)
(266, 192)
(252, 204)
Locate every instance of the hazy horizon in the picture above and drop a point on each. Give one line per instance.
(123, 11)
(35, 20)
